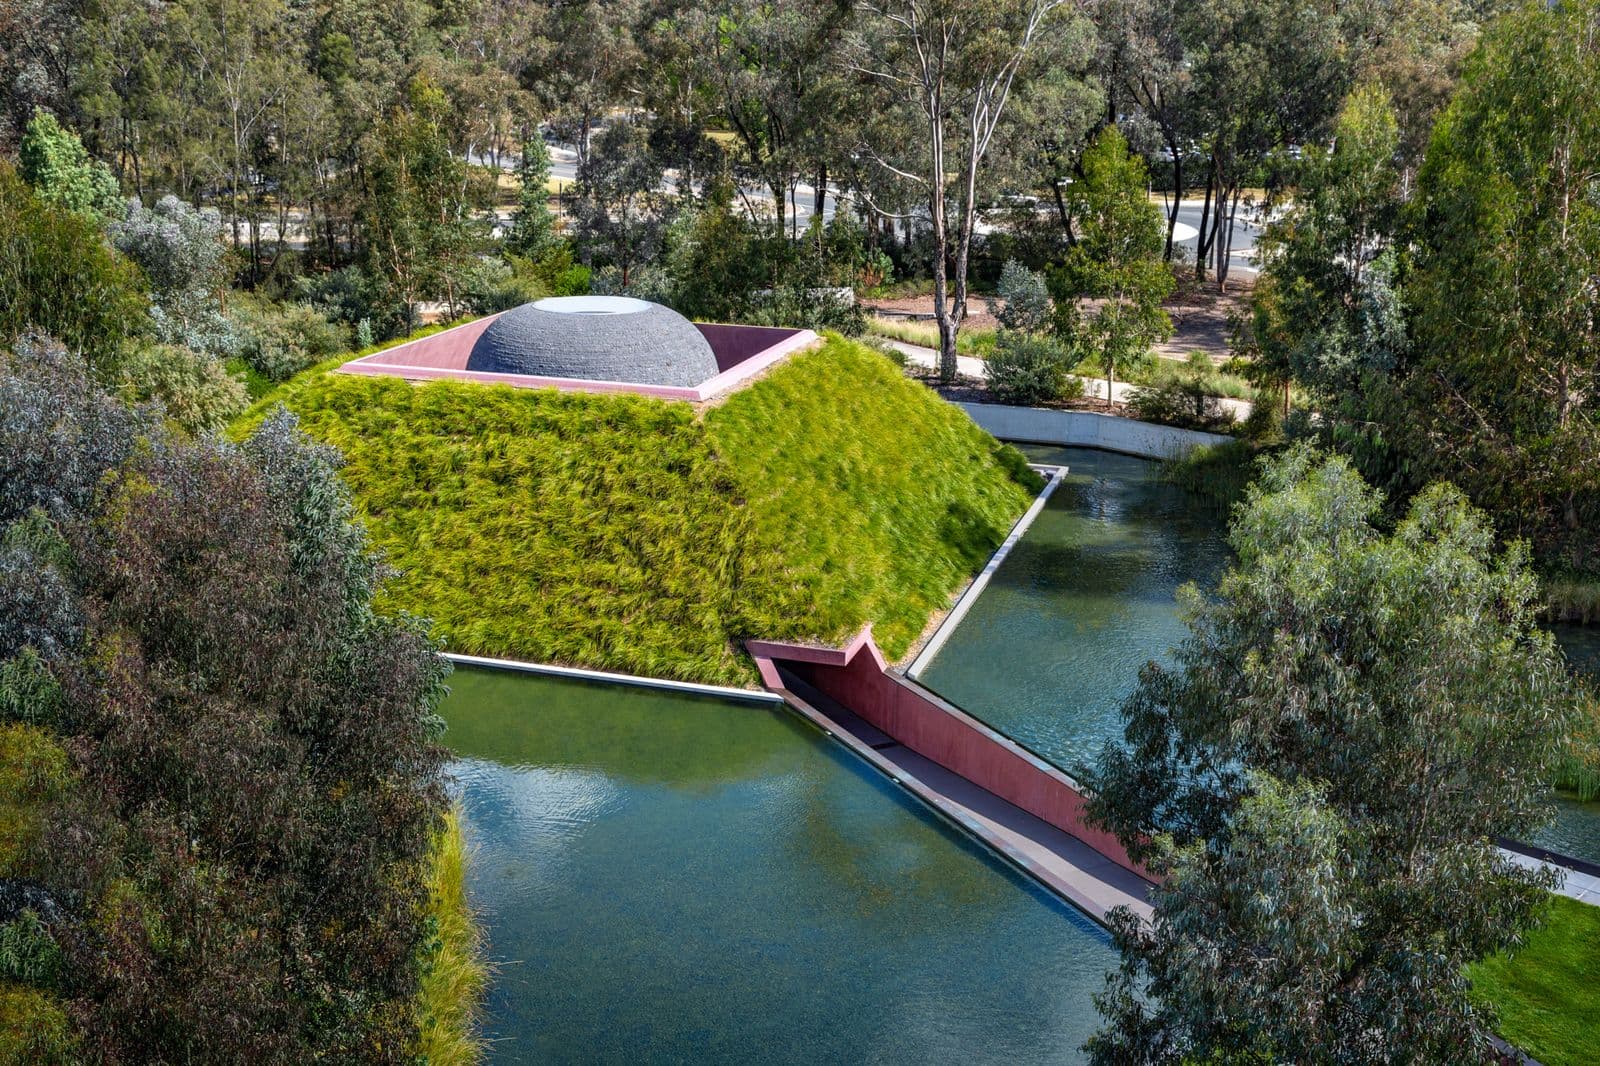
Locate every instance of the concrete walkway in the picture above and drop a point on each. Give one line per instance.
(1094, 388)
(1583, 887)
(1058, 860)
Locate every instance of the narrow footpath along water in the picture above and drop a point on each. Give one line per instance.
(1055, 643)
(669, 878)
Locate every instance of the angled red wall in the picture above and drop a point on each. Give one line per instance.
(858, 679)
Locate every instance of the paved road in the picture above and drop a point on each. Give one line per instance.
(1245, 232)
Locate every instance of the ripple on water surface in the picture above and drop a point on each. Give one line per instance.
(1055, 642)
(674, 879)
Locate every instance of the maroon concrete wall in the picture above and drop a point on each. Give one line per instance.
(732, 345)
(860, 681)
(445, 350)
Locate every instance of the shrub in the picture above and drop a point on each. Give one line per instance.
(57, 276)
(181, 251)
(1180, 401)
(238, 864)
(1027, 369)
(193, 389)
(1024, 299)
(280, 340)
(491, 285)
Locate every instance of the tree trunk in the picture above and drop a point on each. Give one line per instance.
(1202, 245)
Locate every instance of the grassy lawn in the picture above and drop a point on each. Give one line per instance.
(1548, 994)
(970, 341)
(628, 534)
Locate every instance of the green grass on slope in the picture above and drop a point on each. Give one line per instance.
(568, 528)
(1548, 994)
(877, 496)
(615, 532)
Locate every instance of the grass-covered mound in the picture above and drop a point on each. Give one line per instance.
(1546, 994)
(630, 534)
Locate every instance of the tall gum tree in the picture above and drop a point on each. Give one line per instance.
(956, 64)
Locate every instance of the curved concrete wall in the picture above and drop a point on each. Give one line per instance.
(1039, 425)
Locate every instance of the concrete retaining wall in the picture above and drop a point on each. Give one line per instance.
(1039, 425)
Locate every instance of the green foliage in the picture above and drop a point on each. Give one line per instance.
(280, 340)
(622, 533)
(180, 249)
(55, 163)
(1326, 310)
(1544, 993)
(533, 229)
(1024, 299)
(720, 267)
(416, 208)
(1503, 392)
(28, 953)
(57, 275)
(231, 813)
(35, 1029)
(1215, 473)
(194, 390)
(453, 973)
(1027, 369)
(1117, 257)
(1180, 400)
(1353, 722)
(34, 775)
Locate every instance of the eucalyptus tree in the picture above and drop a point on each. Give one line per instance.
(955, 65)
(1503, 390)
(771, 66)
(1326, 310)
(1320, 778)
(1265, 74)
(589, 63)
(1117, 259)
(1145, 62)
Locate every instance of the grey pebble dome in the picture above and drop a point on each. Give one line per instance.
(597, 338)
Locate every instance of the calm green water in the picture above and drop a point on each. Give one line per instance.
(674, 879)
(1576, 829)
(1056, 641)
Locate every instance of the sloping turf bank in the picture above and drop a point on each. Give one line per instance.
(628, 534)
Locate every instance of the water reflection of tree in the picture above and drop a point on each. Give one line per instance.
(634, 735)
(881, 851)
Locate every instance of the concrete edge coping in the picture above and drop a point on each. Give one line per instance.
(578, 673)
(1054, 475)
(913, 787)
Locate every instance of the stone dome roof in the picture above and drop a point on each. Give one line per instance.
(598, 338)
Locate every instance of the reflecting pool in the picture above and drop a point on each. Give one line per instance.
(1576, 829)
(1053, 645)
(668, 878)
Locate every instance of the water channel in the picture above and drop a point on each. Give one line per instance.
(1055, 643)
(669, 878)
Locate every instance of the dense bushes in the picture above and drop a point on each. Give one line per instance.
(1029, 369)
(58, 275)
(624, 533)
(280, 340)
(219, 774)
